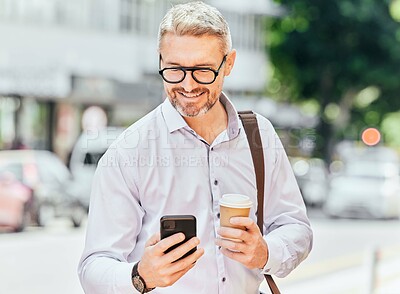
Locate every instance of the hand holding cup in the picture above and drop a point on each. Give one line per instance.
(241, 239)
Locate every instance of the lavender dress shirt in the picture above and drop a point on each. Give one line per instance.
(160, 166)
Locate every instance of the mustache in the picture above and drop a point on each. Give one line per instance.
(194, 91)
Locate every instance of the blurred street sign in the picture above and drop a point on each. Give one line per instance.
(106, 91)
(39, 82)
(86, 88)
(262, 7)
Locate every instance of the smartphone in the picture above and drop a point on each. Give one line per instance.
(172, 224)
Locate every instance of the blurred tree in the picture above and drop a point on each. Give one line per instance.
(345, 54)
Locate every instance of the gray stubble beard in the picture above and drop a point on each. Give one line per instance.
(185, 111)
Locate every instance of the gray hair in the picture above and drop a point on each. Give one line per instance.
(196, 19)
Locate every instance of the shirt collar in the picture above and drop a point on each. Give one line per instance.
(233, 118)
(175, 121)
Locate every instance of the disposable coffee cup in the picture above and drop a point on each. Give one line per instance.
(234, 205)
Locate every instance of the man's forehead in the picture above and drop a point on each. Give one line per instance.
(199, 50)
(183, 42)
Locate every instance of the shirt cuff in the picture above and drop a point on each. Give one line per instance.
(275, 255)
(123, 277)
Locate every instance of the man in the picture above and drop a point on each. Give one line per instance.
(180, 159)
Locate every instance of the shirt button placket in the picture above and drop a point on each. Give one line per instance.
(216, 195)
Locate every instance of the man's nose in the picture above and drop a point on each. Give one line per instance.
(188, 82)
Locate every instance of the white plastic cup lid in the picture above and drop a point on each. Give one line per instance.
(235, 201)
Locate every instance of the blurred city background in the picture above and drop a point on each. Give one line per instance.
(74, 74)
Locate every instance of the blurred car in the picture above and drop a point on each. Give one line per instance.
(312, 178)
(55, 192)
(87, 151)
(15, 200)
(366, 189)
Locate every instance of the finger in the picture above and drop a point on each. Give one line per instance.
(188, 261)
(176, 276)
(232, 245)
(244, 221)
(181, 250)
(169, 279)
(153, 240)
(238, 256)
(166, 243)
(233, 233)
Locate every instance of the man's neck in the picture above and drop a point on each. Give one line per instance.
(211, 124)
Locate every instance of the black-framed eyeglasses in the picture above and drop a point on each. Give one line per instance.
(202, 75)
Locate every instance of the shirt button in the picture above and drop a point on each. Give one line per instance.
(215, 182)
(223, 279)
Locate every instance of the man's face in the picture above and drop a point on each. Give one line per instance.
(189, 97)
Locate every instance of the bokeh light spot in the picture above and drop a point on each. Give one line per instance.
(371, 136)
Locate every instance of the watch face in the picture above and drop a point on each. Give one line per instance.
(137, 282)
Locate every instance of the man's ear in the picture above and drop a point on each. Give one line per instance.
(230, 61)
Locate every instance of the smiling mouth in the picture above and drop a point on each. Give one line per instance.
(191, 95)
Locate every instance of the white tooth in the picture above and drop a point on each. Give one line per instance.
(191, 96)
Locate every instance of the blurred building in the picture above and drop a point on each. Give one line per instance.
(59, 57)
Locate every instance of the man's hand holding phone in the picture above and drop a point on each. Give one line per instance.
(159, 268)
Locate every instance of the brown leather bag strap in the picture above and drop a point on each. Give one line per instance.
(250, 125)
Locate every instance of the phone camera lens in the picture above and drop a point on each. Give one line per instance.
(169, 225)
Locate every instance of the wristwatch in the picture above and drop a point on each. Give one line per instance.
(138, 281)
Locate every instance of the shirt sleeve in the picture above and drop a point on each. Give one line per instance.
(287, 230)
(114, 223)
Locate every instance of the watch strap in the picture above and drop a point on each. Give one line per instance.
(135, 273)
